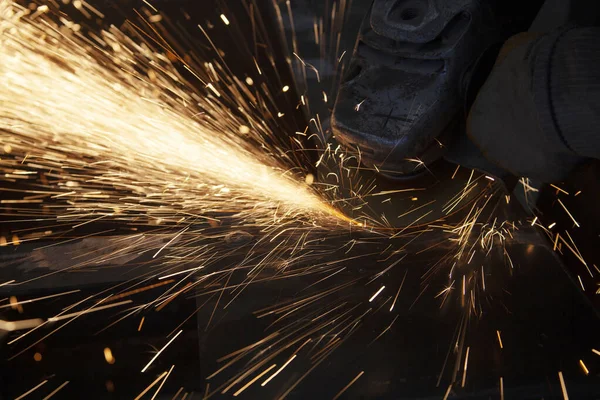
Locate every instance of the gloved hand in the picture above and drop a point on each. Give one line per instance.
(537, 113)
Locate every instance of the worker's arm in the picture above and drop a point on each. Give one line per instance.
(538, 113)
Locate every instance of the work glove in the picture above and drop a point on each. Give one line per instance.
(513, 126)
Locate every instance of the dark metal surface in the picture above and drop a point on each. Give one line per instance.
(546, 325)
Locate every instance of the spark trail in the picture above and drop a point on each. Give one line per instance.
(110, 124)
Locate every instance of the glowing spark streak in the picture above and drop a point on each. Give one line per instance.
(323, 279)
(584, 368)
(163, 303)
(331, 345)
(11, 326)
(411, 224)
(455, 171)
(483, 278)
(40, 298)
(464, 377)
(471, 258)
(7, 283)
(376, 294)
(386, 329)
(386, 192)
(133, 310)
(150, 5)
(139, 396)
(559, 189)
(161, 350)
(309, 65)
(108, 356)
(552, 225)
(357, 107)
(181, 272)
(163, 382)
(575, 251)
(89, 310)
(417, 208)
(218, 301)
(139, 290)
(534, 221)
(501, 388)
(224, 19)
(256, 65)
(40, 10)
(398, 292)
(53, 331)
(325, 314)
(254, 380)
(581, 283)
(20, 201)
(337, 396)
(170, 241)
(141, 324)
(563, 386)
(212, 88)
(65, 383)
(42, 324)
(244, 349)
(567, 211)
(597, 352)
(278, 371)
(181, 390)
(499, 339)
(32, 390)
(446, 291)
(92, 9)
(448, 392)
(247, 373)
(418, 297)
(293, 386)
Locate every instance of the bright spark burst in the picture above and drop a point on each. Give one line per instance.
(115, 146)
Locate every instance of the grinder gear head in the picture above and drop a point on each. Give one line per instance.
(405, 90)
